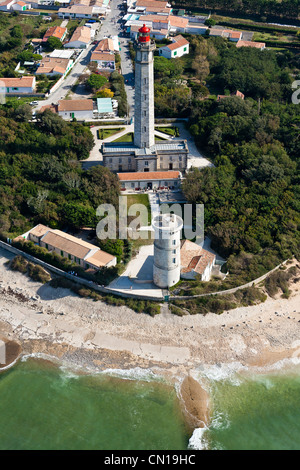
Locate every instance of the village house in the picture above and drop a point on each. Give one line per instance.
(80, 39)
(84, 254)
(56, 32)
(21, 6)
(239, 94)
(82, 110)
(104, 60)
(17, 86)
(51, 66)
(256, 45)
(178, 48)
(196, 261)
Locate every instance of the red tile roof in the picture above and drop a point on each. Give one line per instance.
(151, 175)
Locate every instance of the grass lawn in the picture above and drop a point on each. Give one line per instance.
(261, 37)
(168, 130)
(146, 236)
(105, 133)
(125, 138)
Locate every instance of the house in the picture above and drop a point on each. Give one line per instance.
(178, 24)
(6, 5)
(150, 180)
(106, 45)
(178, 48)
(78, 109)
(105, 60)
(196, 261)
(56, 32)
(80, 39)
(17, 86)
(21, 6)
(77, 11)
(237, 93)
(233, 36)
(80, 252)
(256, 45)
(51, 66)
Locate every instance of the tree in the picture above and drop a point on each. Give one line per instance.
(96, 81)
(210, 22)
(53, 43)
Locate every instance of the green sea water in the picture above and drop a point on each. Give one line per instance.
(44, 407)
(254, 412)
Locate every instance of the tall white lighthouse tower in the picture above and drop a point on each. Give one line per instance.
(144, 90)
(166, 268)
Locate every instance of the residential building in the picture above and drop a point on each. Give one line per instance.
(74, 249)
(82, 110)
(17, 86)
(21, 6)
(196, 261)
(256, 45)
(237, 93)
(106, 45)
(177, 24)
(80, 11)
(105, 60)
(51, 66)
(6, 5)
(150, 180)
(56, 32)
(178, 48)
(80, 39)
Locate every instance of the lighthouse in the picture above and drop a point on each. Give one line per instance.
(144, 90)
(166, 267)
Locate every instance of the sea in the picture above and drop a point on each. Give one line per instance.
(46, 406)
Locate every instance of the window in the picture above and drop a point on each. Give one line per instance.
(146, 163)
(120, 160)
(145, 81)
(174, 242)
(174, 260)
(184, 49)
(175, 53)
(145, 97)
(69, 256)
(145, 113)
(174, 252)
(47, 246)
(62, 253)
(132, 185)
(145, 129)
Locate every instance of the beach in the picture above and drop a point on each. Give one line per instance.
(93, 336)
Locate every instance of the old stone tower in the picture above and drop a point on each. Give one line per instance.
(166, 267)
(144, 90)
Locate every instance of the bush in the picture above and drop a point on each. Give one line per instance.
(34, 271)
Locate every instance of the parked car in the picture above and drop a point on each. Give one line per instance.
(34, 103)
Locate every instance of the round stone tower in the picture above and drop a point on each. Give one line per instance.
(144, 90)
(166, 268)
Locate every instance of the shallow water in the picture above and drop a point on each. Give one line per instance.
(253, 412)
(45, 407)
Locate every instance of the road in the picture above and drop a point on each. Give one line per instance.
(109, 27)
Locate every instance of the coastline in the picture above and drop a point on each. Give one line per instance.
(93, 336)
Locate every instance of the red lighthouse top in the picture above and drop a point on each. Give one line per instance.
(144, 34)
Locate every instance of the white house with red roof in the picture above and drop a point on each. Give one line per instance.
(17, 86)
(178, 48)
(21, 6)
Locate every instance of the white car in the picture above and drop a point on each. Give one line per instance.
(34, 103)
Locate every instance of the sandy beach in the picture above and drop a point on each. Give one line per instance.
(95, 336)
